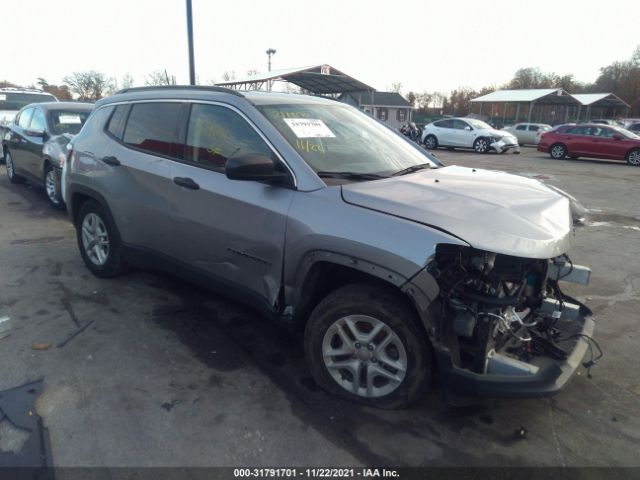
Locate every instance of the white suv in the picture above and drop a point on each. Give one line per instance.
(468, 133)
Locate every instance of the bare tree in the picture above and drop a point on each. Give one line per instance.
(228, 76)
(251, 72)
(127, 81)
(160, 77)
(89, 85)
(396, 87)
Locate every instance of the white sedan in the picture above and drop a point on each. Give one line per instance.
(528, 133)
(468, 133)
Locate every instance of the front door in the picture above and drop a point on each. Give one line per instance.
(232, 231)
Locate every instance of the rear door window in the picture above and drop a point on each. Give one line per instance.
(534, 128)
(155, 128)
(215, 134)
(444, 124)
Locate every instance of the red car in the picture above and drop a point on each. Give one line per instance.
(592, 140)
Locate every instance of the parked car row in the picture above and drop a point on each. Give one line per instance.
(34, 143)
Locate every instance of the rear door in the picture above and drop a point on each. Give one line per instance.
(136, 171)
(33, 144)
(443, 131)
(521, 133)
(17, 140)
(232, 231)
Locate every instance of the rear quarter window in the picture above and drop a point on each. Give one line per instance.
(115, 126)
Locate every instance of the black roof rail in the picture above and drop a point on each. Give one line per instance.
(208, 88)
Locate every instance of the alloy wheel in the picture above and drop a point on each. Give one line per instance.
(634, 158)
(9, 162)
(430, 143)
(481, 145)
(558, 151)
(95, 239)
(50, 185)
(364, 356)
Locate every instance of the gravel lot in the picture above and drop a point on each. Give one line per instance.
(170, 375)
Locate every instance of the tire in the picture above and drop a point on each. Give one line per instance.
(92, 224)
(633, 157)
(481, 145)
(11, 172)
(52, 187)
(431, 142)
(558, 151)
(401, 341)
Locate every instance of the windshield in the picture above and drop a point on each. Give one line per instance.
(15, 101)
(338, 138)
(67, 121)
(478, 124)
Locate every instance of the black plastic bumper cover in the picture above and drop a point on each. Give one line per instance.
(545, 383)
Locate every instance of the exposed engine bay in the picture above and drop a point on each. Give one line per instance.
(506, 315)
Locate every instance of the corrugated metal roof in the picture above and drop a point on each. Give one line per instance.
(322, 79)
(524, 95)
(602, 99)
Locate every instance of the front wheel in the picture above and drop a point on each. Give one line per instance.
(98, 241)
(633, 157)
(558, 151)
(52, 186)
(11, 169)
(481, 145)
(363, 343)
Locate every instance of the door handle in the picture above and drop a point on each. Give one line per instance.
(113, 161)
(186, 182)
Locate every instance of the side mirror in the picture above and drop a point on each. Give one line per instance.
(254, 167)
(468, 128)
(617, 136)
(36, 133)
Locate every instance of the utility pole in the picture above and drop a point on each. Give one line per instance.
(192, 67)
(270, 52)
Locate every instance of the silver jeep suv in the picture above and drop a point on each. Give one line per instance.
(394, 266)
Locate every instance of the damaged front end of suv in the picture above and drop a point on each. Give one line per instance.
(502, 325)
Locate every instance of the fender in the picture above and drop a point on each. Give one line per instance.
(75, 190)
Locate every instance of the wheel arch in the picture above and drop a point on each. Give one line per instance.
(79, 195)
(325, 272)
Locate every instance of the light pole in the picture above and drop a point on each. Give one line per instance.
(192, 67)
(270, 52)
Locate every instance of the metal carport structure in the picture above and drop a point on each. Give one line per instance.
(606, 102)
(317, 79)
(540, 105)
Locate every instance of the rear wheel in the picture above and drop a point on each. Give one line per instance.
(363, 343)
(431, 142)
(11, 169)
(52, 186)
(633, 157)
(98, 241)
(558, 151)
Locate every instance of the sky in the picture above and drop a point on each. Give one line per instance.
(425, 45)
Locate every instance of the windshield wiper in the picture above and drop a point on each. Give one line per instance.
(414, 168)
(351, 175)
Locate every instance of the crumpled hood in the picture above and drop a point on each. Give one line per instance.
(493, 211)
